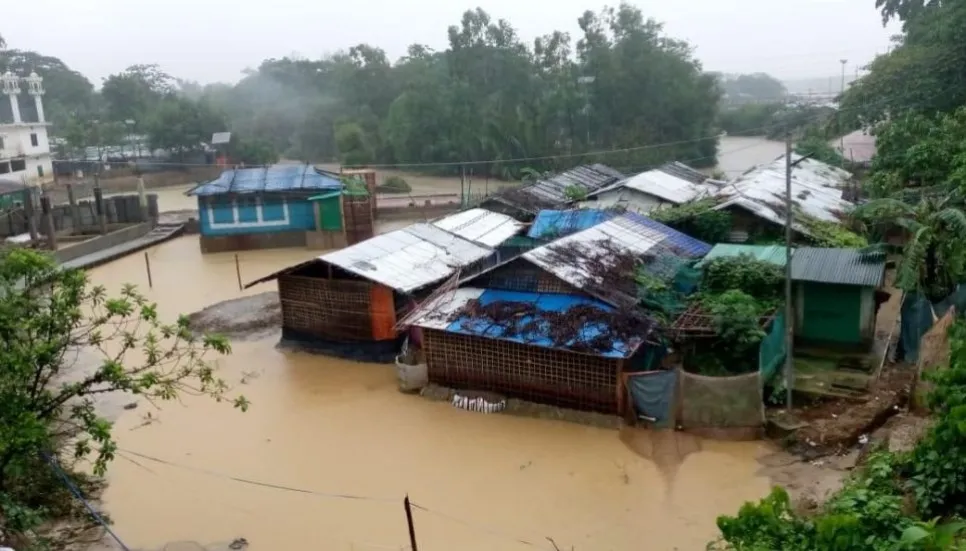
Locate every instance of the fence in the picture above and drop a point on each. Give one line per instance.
(726, 406)
(119, 209)
(556, 377)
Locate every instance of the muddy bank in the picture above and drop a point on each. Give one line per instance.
(833, 426)
(246, 318)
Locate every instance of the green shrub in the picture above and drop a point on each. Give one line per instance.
(394, 184)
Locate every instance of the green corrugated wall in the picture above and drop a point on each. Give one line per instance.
(831, 313)
(331, 214)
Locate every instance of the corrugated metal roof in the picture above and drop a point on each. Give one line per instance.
(409, 258)
(680, 243)
(437, 314)
(552, 192)
(670, 186)
(275, 178)
(839, 266)
(480, 226)
(815, 192)
(621, 232)
(559, 223)
(774, 254)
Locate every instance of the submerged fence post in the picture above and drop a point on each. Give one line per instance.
(238, 273)
(409, 521)
(147, 264)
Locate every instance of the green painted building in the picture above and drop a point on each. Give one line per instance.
(834, 295)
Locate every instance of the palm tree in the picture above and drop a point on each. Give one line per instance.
(934, 253)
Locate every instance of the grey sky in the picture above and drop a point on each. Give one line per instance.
(214, 40)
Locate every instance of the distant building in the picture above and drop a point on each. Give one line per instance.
(24, 147)
(285, 205)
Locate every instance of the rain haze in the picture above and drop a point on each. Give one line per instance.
(216, 41)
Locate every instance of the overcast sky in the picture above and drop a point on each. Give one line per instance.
(214, 40)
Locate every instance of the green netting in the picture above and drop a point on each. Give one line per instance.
(721, 402)
(771, 351)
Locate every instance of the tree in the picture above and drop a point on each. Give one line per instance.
(815, 145)
(922, 72)
(756, 87)
(920, 151)
(180, 125)
(933, 258)
(134, 93)
(63, 344)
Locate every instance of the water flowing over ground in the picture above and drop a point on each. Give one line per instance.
(735, 155)
(326, 426)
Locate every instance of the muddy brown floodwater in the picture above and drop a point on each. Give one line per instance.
(338, 427)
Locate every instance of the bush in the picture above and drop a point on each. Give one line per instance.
(760, 279)
(697, 220)
(394, 184)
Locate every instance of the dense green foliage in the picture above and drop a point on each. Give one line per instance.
(920, 151)
(394, 184)
(758, 278)
(934, 255)
(487, 97)
(755, 87)
(63, 344)
(753, 119)
(696, 219)
(922, 73)
(893, 502)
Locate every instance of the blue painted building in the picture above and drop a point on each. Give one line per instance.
(252, 208)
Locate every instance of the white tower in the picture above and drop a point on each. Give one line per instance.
(11, 87)
(35, 87)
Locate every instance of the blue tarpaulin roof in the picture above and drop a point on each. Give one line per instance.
(681, 243)
(558, 223)
(271, 179)
(546, 302)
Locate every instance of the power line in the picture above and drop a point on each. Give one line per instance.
(259, 483)
(77, 493)
(272, 486)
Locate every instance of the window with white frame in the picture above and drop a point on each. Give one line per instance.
(243, 212)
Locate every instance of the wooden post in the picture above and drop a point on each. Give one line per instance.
(409, 521)
(75, 218)
(99, 209)
(48, 219)
(238, 273)
(30, 213)
(620, 386)
(147, 265)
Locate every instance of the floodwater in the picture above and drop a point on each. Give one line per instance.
(324, 427)
(735, 155)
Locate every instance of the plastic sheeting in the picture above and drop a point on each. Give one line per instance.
(918, 316)
(652, 394)
(771, 351)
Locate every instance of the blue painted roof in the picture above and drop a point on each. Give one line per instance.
(546, 302)
(558, 223)
(681, 243)
(275, 178)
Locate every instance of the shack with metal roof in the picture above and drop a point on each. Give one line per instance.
(254, 208)
(668, 185)
(835, 295)
(559, 349)
(347, 302)
(756, 199)
(552, 192)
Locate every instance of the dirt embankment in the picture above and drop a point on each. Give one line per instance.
(245, 318)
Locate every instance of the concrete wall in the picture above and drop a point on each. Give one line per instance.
(120, 209)
(244, 242)
(98, 244)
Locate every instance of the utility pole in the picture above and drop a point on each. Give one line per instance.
(789, 312)
(843, 62)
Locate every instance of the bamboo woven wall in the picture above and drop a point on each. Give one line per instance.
(543, 375)
(357, 218)
(325, 308)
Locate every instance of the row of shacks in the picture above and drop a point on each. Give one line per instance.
(527, 296)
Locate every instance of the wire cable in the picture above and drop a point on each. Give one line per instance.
(77, 493)
(256, 482)
(479, 527)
